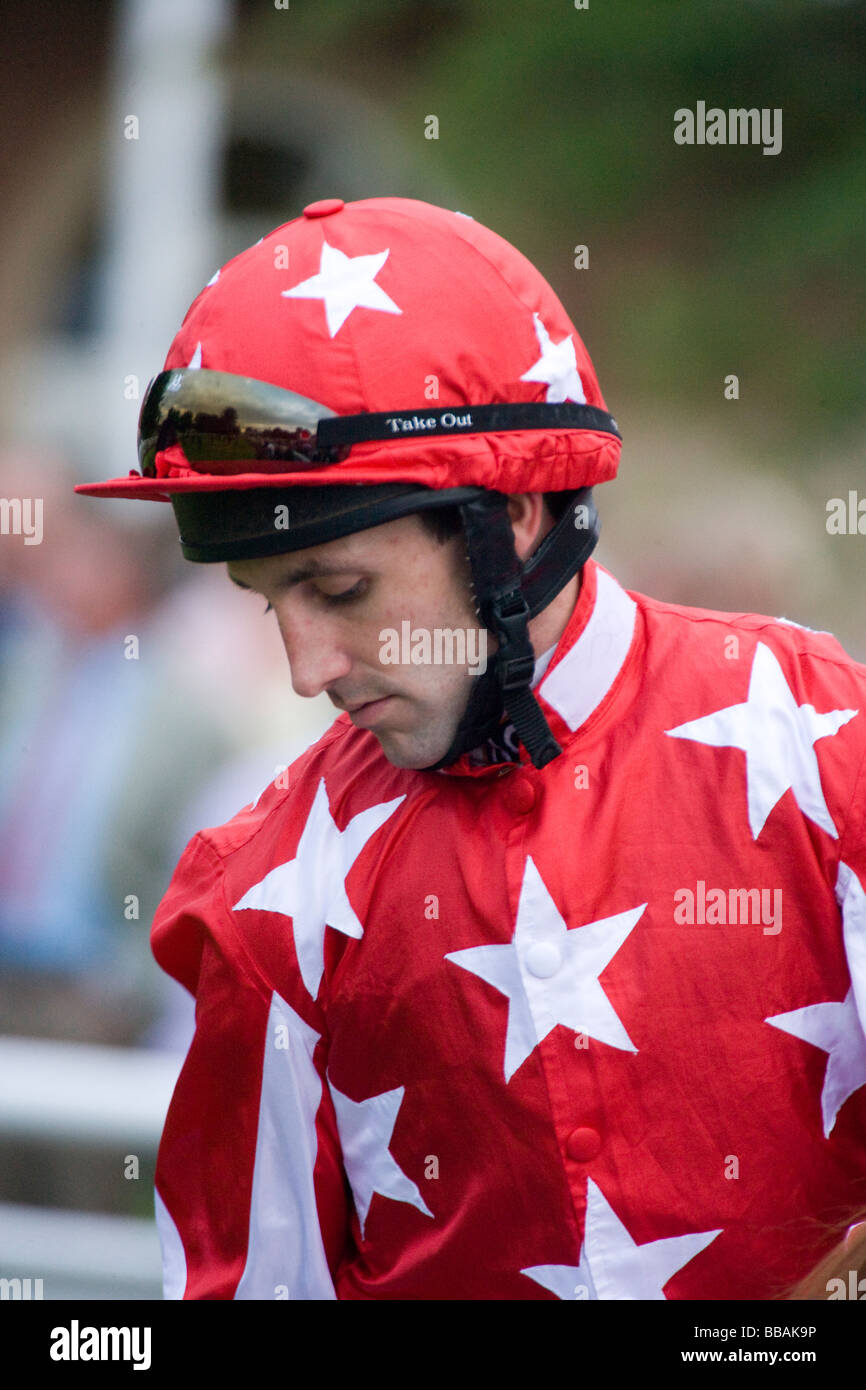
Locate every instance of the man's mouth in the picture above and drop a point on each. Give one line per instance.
(364, 715)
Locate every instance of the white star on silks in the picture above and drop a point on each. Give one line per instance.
(571, 993)
(311, 888)
(195, 360)
(776, 735)
(852, 902)
(365, 1129)
(612, 1266)
(835, 1028)
(556, 367)
(345, 283)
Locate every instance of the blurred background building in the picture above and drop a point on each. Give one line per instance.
(144, 143)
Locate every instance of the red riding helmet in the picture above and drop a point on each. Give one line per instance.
(408, 349)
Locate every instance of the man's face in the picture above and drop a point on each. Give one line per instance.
(333, 602)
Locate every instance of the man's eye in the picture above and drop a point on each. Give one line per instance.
(356, 591)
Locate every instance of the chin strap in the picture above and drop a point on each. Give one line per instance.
(507, 596)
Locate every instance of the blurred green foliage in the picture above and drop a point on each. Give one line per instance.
(556, 127)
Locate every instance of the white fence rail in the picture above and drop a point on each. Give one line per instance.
(77, 1255)
(63, 1093)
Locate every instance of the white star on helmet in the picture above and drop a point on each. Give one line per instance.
(345, 283)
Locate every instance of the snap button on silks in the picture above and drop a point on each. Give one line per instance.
(520, 795)
(324, 208)
(543, 959)
(583, 1144)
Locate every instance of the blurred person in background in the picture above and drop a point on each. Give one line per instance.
(116, 712)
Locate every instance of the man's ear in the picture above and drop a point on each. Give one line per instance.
(529, 521)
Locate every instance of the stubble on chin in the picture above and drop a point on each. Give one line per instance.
(421, 746)
(404, 750)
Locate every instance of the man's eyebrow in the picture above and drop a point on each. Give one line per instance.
(314, 569)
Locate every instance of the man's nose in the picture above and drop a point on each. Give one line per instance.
(316, 657)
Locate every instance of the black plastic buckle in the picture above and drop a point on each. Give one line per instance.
(510, 615)
(515, 673)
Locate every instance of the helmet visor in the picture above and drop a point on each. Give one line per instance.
(221, 419)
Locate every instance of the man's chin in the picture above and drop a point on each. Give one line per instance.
(406, 750)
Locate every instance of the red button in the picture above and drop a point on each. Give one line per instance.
(520, 795)
(583, 1144)
(324, 208)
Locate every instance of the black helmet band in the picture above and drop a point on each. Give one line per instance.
(508, 596)
(226, 421)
